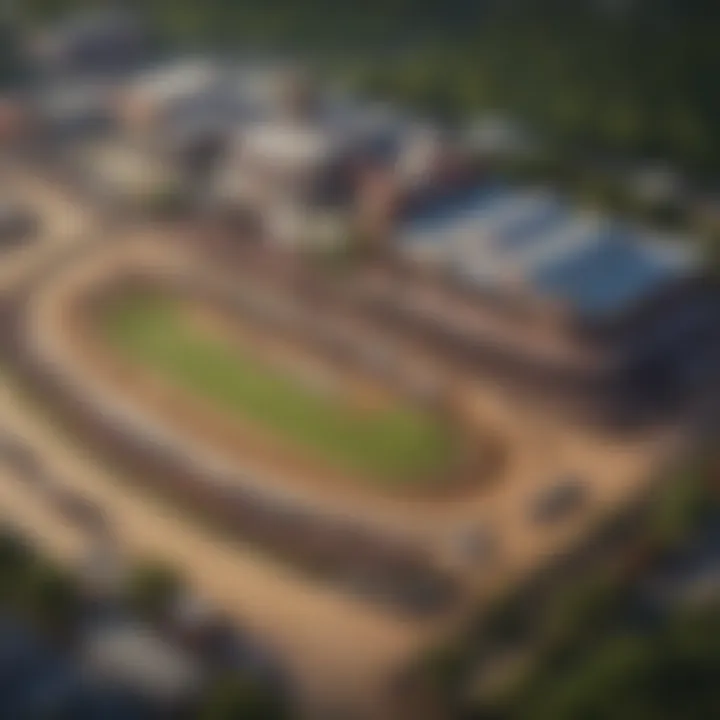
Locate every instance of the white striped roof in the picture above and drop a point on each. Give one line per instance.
(594, 263)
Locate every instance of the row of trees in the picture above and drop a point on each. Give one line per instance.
(589, 646)
(609, 78)
(37, 590)
(635, 77)
(613, 660)
(669, 675)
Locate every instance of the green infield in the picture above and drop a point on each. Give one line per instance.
(400, 443)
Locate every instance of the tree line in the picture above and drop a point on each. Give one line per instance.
(635, 77)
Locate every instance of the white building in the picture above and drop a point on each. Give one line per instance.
(123, 172)
(294, 177)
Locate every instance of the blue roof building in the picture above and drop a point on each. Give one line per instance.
(502, 239)
(583, 306)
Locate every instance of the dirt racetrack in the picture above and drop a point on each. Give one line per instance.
(390, 534)
(474, 457)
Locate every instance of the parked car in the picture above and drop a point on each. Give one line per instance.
(563, 498)
(476, 545)
(17, 225)
(79, 510)
(21, 457)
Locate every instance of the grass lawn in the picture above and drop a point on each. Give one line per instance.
(401, 444)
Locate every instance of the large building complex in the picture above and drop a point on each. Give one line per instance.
(328, 328)
(589, 298)
(513, 279)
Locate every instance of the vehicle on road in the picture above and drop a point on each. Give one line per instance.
(18, 224)
(562, 499)
(476, 545)
(21, 458)
(79, 510)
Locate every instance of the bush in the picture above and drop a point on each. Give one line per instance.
(153, 589)
(52, 599)
(681, 503)
(241, 698)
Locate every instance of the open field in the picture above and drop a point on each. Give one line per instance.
(397, 444)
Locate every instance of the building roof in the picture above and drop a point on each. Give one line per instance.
(176, 80)
(291, 145)
(596, 266)
(124, 168)
(71, 99)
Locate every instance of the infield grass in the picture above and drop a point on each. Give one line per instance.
(399, 444)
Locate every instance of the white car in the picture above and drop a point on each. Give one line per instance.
(476, 545)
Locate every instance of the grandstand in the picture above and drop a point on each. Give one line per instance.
(572, 293)
(503, 240)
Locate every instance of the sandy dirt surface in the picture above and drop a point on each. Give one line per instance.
(543, 447)
(24, 510)
(63, 223)
(339, 652)
(336, 647)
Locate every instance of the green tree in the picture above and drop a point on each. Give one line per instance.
(240, 698)
(52, 599)
(153, 588)
(16, 559)
(681, 502)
